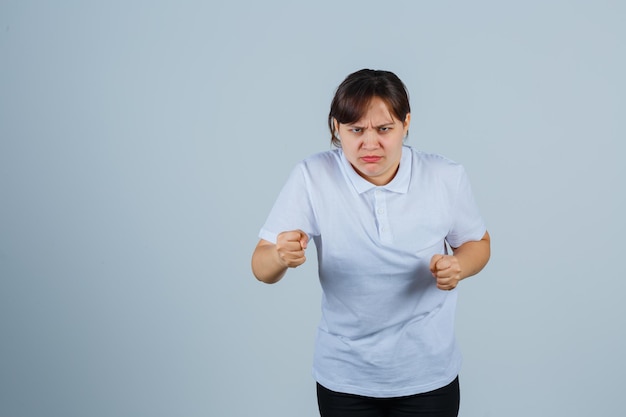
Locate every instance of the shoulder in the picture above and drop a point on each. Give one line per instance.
(430, 158)
(322, 159)
(321, 164)
(433, 162)
(319, 167)
(435, 172)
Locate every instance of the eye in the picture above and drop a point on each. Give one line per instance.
(356, 130)
(385, 129)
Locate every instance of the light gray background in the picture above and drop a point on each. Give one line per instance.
(143, 143)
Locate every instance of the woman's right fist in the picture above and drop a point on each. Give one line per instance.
(291, 246)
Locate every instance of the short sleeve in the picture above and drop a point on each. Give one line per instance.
(467, 223)
(293, 209)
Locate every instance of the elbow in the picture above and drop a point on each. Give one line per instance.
(259, 277)
(263, 276)
(256, 272)
(266, 280)
(487, 240)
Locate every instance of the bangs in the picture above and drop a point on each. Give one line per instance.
(353, 107)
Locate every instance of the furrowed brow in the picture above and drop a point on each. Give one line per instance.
(355, 126)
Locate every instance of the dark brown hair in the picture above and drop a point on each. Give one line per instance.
(354, 94)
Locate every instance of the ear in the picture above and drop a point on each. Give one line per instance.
(336, 123)
(405, 125)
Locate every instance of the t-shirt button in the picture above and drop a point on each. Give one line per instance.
(380, 211)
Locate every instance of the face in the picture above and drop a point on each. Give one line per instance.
(373, 145)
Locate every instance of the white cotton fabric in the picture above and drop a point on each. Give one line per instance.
(386, 330)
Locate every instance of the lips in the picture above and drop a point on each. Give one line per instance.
(371, 158)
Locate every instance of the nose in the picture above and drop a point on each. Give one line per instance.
(370, 139)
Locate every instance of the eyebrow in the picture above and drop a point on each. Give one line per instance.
(362, 127)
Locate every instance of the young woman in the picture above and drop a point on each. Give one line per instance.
(382, 216)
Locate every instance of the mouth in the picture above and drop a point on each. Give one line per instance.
(371, 158)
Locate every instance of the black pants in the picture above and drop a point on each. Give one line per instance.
(443, 402)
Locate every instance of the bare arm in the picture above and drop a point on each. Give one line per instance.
(270, 261)
(466, 260)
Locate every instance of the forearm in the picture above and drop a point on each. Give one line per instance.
(473, 256)
(266, 265)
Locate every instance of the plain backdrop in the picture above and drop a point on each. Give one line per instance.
(142, 144)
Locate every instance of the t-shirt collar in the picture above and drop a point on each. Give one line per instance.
(399, 183)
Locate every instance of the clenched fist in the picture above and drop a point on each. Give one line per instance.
(291, 246)
(446, 270)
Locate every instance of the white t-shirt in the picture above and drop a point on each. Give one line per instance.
(386, 330)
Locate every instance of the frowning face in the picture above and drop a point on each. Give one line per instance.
(373, 144)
